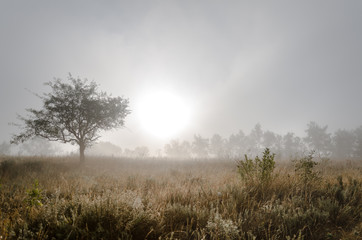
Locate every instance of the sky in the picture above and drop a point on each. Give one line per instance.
(231, 64)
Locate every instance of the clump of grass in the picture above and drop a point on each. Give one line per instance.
(220, 228)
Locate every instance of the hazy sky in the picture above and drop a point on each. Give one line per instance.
(233, 63)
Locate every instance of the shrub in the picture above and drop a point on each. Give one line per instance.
(304, 168)
(259, 170)
(34, 195)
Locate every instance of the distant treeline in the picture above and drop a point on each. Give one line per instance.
(33, 147)
(342, 144)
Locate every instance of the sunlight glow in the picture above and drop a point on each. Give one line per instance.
(163, 113)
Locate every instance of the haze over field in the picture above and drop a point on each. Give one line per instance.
(209, 66)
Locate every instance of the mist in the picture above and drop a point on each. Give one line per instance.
(234, 64)
(180, 119)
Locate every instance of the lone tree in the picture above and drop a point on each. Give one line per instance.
(74, 113)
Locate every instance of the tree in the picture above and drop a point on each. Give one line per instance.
(358, 143)
(5, 148)
(237, 145)
(269, 139)
(38, 147)
(273, 142)
(138, 152)
(343, 143)
(200, 146)
(218, 146)
(254, 139)
(142, 152)
(318, 139)
(74, 113)
(292, 146)
(104, 149)
(176, 149)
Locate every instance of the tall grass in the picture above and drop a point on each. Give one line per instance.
(57, 198)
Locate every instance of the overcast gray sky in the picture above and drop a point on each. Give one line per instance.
(235, 63)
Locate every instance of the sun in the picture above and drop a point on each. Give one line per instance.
(163, 113)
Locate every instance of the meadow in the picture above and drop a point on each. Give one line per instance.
(120, 198)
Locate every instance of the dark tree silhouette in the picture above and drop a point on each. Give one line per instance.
(74, 113)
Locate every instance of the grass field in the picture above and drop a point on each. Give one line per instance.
(108, 198)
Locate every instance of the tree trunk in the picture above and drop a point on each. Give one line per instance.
(81, 152)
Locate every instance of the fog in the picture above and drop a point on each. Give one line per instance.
(235, 64)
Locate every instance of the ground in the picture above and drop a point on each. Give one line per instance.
(118, 198)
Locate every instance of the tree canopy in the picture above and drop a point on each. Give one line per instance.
(73, 112)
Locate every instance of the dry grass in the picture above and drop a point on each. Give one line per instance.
(163, 199)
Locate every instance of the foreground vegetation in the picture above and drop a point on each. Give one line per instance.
(58, 198)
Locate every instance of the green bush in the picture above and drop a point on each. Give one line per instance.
(305, 170)
(34, 196)
(257, 170)
(304, 167)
